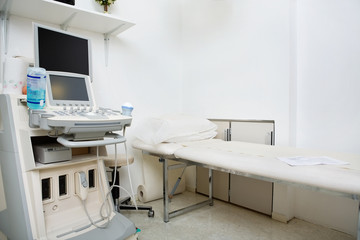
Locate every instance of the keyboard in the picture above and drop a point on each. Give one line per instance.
(83, 114)
(84, 122)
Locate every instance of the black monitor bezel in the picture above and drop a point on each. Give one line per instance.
(37, 26)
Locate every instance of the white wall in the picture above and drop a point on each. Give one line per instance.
(328, 110)
(328, 80)
(293, 61)
(283, 60)
(236, 60)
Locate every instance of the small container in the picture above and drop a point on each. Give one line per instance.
(127, 109)
(36, 87)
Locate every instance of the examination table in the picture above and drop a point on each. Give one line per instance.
(260, 162)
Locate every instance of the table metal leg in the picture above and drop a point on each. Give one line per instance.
(211, 187)
(167, 213)
(358, 230)
(165, 189)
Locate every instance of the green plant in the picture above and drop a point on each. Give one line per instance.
(105, 3)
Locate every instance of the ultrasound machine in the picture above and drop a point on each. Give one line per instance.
(53, 181)
(71, 110)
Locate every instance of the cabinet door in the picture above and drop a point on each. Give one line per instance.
(252, 131)
(220, 179)
(251, 193)
(247, 192)
(220, 183)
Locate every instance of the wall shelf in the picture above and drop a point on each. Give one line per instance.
(68, 16)
(62, 14)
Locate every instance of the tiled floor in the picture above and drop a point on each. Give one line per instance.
(223, 221)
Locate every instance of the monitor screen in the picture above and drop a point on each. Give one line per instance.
(68, 89)
(57, 50)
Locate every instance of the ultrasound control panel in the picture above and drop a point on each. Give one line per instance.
(100, 113)
(71, 109)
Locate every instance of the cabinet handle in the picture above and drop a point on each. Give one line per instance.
(272, 138)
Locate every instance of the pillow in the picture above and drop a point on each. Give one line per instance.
(175, 128)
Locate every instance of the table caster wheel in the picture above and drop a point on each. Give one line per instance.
(151, 213)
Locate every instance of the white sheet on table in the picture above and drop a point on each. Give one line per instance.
(310, 161)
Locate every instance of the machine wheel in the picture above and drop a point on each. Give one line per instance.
(151, 213)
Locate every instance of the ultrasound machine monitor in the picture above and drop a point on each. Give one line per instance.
(58, 50)
(69, 89)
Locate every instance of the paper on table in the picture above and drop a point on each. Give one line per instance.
(309, 161)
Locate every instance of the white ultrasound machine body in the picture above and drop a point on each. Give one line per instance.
(50, 191)
(71, 110)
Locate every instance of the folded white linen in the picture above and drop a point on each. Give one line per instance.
(175, 128)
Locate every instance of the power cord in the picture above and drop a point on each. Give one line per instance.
(106, 198)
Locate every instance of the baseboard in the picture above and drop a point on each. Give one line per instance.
(190, 189)
(280, 217)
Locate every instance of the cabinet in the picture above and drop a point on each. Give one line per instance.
(250, 193)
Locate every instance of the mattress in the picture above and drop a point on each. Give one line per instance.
(261, 161)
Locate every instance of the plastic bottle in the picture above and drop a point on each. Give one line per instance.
(36, 87)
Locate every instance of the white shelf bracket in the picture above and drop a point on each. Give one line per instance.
(107, 42)
(64, 26)
(106, 45)
(4, 18)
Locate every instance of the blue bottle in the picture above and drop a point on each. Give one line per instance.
(36, 87)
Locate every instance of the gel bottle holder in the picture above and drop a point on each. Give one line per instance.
(36, 87)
